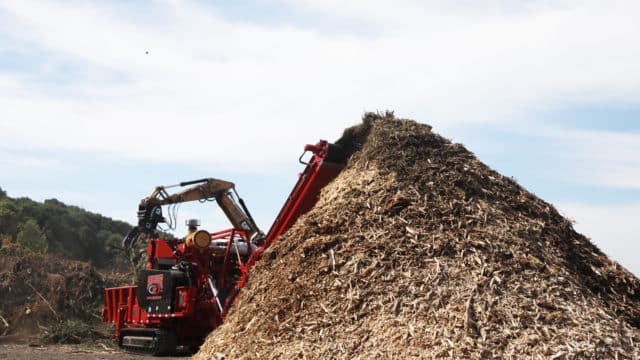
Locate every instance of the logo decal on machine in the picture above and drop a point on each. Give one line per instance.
(154, 286)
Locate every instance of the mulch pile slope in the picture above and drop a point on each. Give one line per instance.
(418, 249)
(38, 290)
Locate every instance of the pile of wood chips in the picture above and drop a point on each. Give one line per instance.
(418, 249)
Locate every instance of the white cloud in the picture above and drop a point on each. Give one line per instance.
(614, 229)
(600, 158)
(211, 90)
(607, 158)
(22, 162)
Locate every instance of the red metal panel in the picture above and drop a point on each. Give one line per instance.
(318, 173)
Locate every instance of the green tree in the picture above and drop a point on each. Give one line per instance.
(70, 231)
(31, 237)
(9, 217)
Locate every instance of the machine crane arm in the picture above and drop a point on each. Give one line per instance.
(150, 208)
(208, 188)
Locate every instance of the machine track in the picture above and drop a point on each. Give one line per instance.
(148, 341)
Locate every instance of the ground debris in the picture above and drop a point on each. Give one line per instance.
(420, 250)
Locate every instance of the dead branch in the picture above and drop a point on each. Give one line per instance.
(43, 299)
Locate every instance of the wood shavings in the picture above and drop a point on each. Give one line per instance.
(419, 250)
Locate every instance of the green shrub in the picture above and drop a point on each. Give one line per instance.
(31, 237)
(70, 332)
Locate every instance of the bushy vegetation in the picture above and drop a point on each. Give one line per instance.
(31, 237)
(60, 229)
(70, 332)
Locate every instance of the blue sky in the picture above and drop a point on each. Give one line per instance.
(545, 92)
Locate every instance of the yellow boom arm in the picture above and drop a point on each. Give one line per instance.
(209, 189)
(150, 212)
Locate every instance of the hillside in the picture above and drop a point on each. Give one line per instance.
(420, 250)
(62, 230)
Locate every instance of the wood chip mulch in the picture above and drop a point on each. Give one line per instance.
(419, 250)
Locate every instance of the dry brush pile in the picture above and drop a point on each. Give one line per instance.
(418, 249)
(38, 291)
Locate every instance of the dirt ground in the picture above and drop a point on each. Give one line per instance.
(67, 352)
